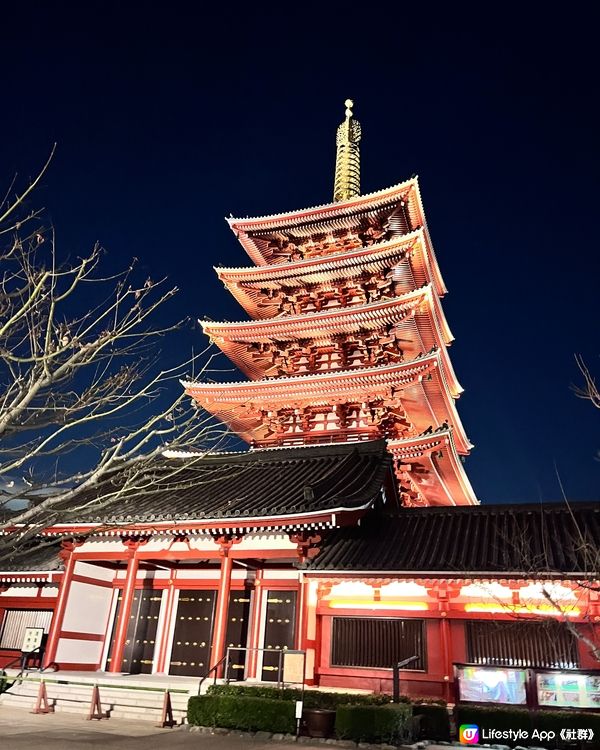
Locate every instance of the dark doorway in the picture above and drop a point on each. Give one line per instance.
(140, 640)
(238, 618)
(280, 629)
(192, 635)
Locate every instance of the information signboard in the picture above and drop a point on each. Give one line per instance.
(568, 689)
(293, 667)
(481, 684)
(32, 639)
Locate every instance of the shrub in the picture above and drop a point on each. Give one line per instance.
(312, 698)
(493, 717)
(435, 721)
(248, 714)
(202, 711)
(364, 723)
(554, 721)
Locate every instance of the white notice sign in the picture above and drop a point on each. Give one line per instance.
(32, 639)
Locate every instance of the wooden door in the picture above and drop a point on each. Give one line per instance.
(280, 626)
(238, 617)
(140, 640)
(192, 635)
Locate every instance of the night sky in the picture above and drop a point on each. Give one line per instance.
(168, 120)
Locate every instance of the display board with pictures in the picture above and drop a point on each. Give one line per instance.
(568, 689)
(481, 684)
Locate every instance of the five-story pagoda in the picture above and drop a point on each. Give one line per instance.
(348, 340)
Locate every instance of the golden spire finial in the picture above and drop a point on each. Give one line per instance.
(347, 164)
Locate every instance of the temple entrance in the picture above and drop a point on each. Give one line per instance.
(140, 641)
(238, 618)
(280, 627)
(192, 634)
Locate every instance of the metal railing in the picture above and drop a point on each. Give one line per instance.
(396, 676)
(22, 659)
(226, 661)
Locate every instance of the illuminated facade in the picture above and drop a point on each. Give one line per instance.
(350, 529)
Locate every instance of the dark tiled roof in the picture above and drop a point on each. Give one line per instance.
(462, 540)
(40, 554)
(253, 484)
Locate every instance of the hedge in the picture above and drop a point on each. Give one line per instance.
(493, 717)
(312, 698)
(249, 714)
(364, 723)
(435, 721)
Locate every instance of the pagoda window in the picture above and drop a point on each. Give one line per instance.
(547, 645)
(377, 642)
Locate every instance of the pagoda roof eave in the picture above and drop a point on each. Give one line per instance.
(425, 363)
(329, 262)
(224, 400)
(289, 218)
(229, 336)
(328, 267)
(355, 313)
(371, 201)
(447, 472)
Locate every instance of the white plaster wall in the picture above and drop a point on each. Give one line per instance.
(21, 591)
(50, 591)
(94, 571)
(102, 545)
(200, 542)
(287, 575)
(78, 652)
(266, 541)
(87, 608)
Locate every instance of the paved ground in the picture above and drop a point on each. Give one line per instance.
(21, 730)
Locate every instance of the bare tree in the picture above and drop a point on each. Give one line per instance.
(589, 390)
(83, 397)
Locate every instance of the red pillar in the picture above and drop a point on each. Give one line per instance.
(220, 626)
(125, 611)
(446, 656)
(68, 558)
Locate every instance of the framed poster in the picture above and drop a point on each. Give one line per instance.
(479, 684)
(568, 689)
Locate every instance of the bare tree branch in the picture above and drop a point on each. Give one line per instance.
(83, 399)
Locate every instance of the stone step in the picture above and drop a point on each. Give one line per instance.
(32, 688)
(123, 711)
(137, 697)
(76, 699)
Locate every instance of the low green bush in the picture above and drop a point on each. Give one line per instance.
(493, 717)
(364, 723)
(249, 714)
(435, 721)
(554, 721)
(312, 698)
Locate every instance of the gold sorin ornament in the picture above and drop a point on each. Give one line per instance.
(347, 163)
